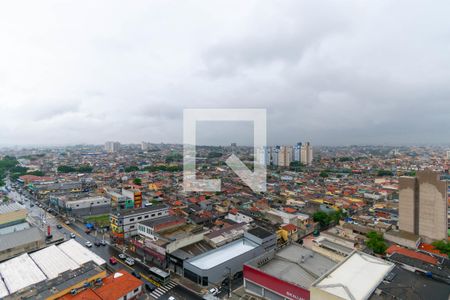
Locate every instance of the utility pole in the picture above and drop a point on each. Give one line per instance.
(229, 281)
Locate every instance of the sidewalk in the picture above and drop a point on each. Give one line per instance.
(189, 285)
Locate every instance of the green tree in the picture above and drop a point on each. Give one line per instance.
(85, 169)
(385, 173)
(321, 217)
(376, 242)
(66, 169)
(37, 173)
(335, 216)
(174, 168)
(323, 174)
(137, 181)
(345, 158)
(443, 246)
(174, 157)
(131, 169)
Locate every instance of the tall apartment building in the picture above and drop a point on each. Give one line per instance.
(263, 155)
(112, 147)
(145, 146)
(423, 205)
(306, 154)
(275, 151)
(298, 152)
(285, 155)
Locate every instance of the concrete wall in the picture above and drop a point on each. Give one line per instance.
(88, 202)
(267, 243)
(423, 205)
(13, 216)
(218, 273)
(27, 247)
(318, 294)
(407, 206)
(328, 253)
(184, 242)
(409, 243)
(433, 206)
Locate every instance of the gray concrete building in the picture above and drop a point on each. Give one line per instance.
(423, 205)
(216, 265)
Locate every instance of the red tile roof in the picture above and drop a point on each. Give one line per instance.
(430, 248)
(413, 254)
(290, 210)
(289, 227)
(234, 211)
(29, 178)
(114, 288)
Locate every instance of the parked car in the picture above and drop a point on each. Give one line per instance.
(129, 261)
(88, 244)
(103, 242)
(112, 260)
(214, 291)
(122, 256)
(67, 222)
(172, 298)
(59, 226)
(97, 243)
(150, 287)
(72, 235)
(87, 231)
(136, 274)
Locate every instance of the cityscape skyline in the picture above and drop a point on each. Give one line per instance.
(224, 150)
(335, 76)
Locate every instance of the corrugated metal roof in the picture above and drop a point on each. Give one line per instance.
(10, 207)
(20, 272)
(53, 261)
(18, 238)
(79, 253)
(3, 290)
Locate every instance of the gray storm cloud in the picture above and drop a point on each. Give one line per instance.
(331, 72)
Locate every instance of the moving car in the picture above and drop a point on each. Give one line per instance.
(103, 242)
(72, 235)
(112, 260)
(150, 287)
(88, 244)
(97, 243)
(67, 222)
(122, 256)
(214, 291)
(136, 274)
(129, 261)
(59, 226)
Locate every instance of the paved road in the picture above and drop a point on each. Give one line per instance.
(179, 293)
(42, 218)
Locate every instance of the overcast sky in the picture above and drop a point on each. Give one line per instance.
(333, 72)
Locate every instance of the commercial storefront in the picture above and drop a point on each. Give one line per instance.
(270, 287)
